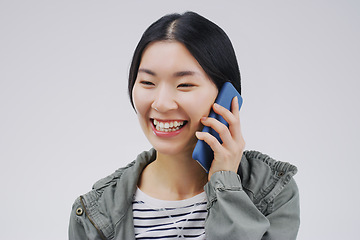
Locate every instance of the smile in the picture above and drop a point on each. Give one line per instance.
(168, 126)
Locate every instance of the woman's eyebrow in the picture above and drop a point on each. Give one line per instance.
(176, 74)
(144, 70)
(184, 73)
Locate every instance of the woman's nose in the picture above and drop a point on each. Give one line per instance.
(164, 101)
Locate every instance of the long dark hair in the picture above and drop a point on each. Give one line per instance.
(206, 41)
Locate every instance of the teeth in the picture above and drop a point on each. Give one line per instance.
(168, 126)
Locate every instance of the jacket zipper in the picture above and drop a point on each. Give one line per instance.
(92, 222)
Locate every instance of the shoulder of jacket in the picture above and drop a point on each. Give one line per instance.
(91, 198)
(103, 192)
(260, 160)
(141, 160)
(112, 178)
(89, 201)
(263, 177)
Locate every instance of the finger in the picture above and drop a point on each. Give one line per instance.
(210, 140)
(235, 126)
(220, 128)
(229, 116)
(235, 106)
(225, 113)
(232, 118)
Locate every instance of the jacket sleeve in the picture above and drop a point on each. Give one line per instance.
(232, 215)
(80, 227)
(284, 214)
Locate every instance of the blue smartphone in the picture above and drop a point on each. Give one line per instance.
(202, 152)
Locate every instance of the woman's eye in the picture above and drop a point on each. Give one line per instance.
(185, 85)
(147, 83)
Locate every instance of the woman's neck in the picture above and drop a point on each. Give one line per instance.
(173, 177)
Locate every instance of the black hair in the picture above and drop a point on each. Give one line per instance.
(206, 41)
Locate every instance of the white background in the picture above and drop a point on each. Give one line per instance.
(65, 118)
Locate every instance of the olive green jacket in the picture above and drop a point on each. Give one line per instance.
(260, 202)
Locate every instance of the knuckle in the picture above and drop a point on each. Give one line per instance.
(234, 120)
(212, 140)
(223, 129)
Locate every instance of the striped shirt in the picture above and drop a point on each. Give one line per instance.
(159, 219)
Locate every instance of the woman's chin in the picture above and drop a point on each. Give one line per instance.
(173, 150)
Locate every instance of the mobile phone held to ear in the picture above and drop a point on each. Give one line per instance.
(202, 152)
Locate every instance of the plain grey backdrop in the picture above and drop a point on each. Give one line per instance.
(66, 121)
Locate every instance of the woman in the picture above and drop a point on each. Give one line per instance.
(178, 67)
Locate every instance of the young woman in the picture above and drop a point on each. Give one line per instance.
(178, 67)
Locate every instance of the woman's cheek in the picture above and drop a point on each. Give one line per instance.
(140, 99)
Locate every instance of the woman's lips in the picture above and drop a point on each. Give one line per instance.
(167, 128)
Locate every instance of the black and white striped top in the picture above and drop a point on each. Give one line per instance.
(159, 219)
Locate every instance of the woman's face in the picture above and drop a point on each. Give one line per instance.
(171, 94)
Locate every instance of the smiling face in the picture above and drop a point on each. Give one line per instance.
(171, 94)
